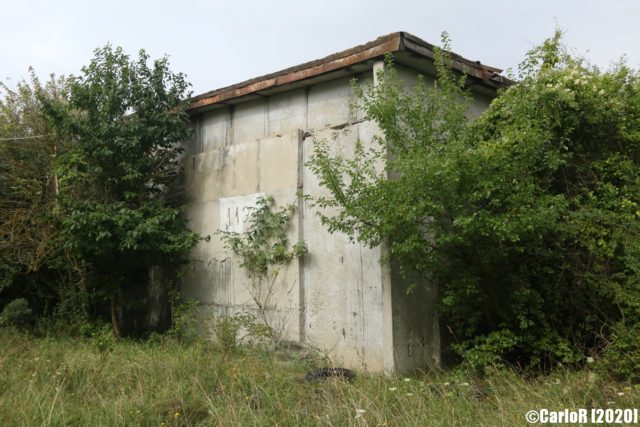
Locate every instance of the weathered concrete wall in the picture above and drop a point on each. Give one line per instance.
(344, 282)
(341, 298)
(223, 184)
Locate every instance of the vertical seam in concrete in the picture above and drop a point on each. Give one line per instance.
(267, 127)
(388, 343)
(387, 311)
(306, 114)
(227, 127)
(265, 133)
(258, 165)
(200, 142)
(232, 121)
(232, 118)
(362, 306)
(302, 307)
(302, 229)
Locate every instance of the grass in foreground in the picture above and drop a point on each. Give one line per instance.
(86, 383)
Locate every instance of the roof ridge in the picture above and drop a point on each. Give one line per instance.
(389, 43)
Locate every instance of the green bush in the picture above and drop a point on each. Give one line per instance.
(622, 356)
(185, 321)
(16, 314)
(103, 339)
(486, 351)
(526, 219)
(226, 330)
(230, 331)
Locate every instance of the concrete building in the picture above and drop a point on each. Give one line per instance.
(253, 139)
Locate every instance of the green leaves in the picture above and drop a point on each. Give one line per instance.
(264, 245)
(129, 118)
(27, 179)
(89, 175)
(526, 217)
(118, 201)
(264, 250)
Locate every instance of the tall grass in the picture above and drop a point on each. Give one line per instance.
(83, 382)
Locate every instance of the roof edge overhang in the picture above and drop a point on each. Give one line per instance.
(391, 43)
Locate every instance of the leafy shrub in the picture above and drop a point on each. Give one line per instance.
(486, 351)
(103, 339)
(16, 314)
(185, 321)
(118, 202)
(264, 250)
(230, 331)
(526, 219)
(622, 356)
(226, 330)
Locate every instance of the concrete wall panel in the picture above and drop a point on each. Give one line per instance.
(329, 104)
(287, 112)
(343, 279)
(229, 177)
(240, 174)
(249, 121)
(214, 129)
(278, 163)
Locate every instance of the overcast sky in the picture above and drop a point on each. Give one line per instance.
(218, 43)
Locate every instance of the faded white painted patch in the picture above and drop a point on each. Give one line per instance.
(236, 211)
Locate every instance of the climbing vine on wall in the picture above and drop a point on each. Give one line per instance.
(264, 249)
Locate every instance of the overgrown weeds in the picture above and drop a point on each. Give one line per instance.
(167, 383)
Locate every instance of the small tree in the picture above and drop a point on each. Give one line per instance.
(527, 218)
(264, 251)
(28, 187)
(119, 211)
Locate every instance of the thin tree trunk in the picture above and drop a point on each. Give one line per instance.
(156, 316)
(114, 314)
